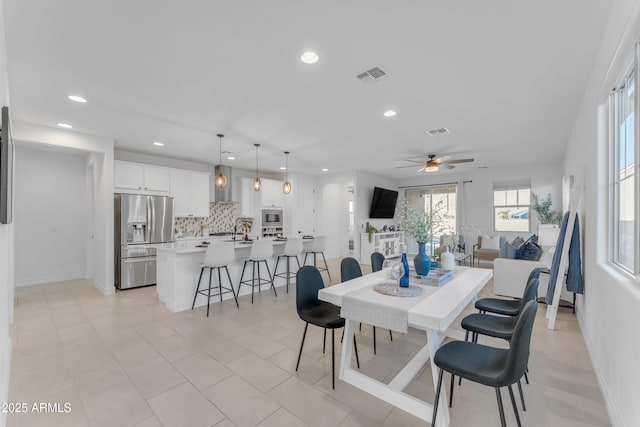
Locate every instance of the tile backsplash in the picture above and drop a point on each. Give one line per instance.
(222, 218)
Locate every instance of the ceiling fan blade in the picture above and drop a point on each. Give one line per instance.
(408, 166)
(448, 162)
(413, 161)
(442, 159)
(420, 170)
(448, 166)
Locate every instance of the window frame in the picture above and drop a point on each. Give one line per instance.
(493, 207)
(614, 170)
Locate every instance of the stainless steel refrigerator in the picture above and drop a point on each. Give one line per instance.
(140, 223)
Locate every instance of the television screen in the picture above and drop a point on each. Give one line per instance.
(383, 203)
(6, 169)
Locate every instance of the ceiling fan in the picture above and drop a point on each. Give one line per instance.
(433, 164)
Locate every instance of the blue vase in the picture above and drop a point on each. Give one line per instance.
(404, 280)
(422, 261)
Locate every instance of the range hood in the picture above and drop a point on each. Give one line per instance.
(224, 194)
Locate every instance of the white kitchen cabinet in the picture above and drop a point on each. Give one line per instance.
(249, 198)
(272, 194)
(190, 191)
(138, 178)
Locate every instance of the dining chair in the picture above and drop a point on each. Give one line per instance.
(504, 306)
(499, 326)
(319, 313)
(490, 366)
(377, 259)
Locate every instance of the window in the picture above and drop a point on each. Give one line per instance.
(511, 207)
(440, 199)
(623, 176)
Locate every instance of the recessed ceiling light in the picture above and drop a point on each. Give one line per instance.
(158, 143)
(325, 170)
(309, 57)
(282, 168)
(64, 125)
(231, 158)
(76, 98)
(390, 113)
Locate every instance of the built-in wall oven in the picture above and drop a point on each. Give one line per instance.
(272, 222)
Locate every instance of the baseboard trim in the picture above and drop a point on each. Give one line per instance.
(48, 279)
(5, 369)
(103, 289)
(614, 413)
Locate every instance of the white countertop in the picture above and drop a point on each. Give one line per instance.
(189, 245)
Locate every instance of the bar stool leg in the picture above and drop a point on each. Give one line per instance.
(298, 262)
(219, 283)
(253, 280)
(209, 295)
(231, 285)
(288, 278)
(241, 276)
(197, 289)
(270, 278)
(326, 266)
(305, 258)
(314, 260)
(275, 270)
(259, 278)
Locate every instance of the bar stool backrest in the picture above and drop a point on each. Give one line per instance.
(293, 246)
(261, 250)
(219, 255)
(318, 244)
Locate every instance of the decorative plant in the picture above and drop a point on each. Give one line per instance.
(420, 224)
(372, 230)
(543, 209)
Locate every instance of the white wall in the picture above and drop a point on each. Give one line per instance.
(6, 253)
(50, 215)
(99, 151)
(478, 194)
(609, 312)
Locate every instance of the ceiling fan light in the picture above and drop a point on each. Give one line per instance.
(221, 180)
(257, 183)
(286, 187)
(431, 168)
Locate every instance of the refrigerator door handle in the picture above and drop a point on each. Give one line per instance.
(150, 221)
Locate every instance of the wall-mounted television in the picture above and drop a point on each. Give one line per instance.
(383, 203)
(6, 169)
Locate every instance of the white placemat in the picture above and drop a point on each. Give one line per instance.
(384, 311)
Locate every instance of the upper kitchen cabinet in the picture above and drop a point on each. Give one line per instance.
(248, 197)
(138, 178)
(190, 191)
(272, 194)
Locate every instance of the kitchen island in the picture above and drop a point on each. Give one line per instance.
(178, 270)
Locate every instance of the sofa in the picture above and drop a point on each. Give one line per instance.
(510, 275)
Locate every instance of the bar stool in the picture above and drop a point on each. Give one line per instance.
(291, 250)
(318, 246)
(217, 256)
(261, 250)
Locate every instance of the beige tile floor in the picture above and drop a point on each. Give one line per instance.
(124, 360)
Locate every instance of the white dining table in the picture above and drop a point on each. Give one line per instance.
(432, 313)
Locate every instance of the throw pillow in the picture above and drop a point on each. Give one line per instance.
(517, 242)
(508, 250)
(529, 251)
(491, 242)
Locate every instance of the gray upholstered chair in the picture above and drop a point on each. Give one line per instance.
(490, 366)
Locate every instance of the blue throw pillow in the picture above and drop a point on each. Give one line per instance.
(508, 250)
(529, 251)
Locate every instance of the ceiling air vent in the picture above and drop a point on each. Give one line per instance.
(372, 75)
(436, 132)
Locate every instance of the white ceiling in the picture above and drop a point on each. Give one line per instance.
(505, 76)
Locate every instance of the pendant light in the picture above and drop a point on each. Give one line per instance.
(220, 179)
(257, 184)
(286, 187)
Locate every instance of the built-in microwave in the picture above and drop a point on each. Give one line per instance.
(272, 217)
